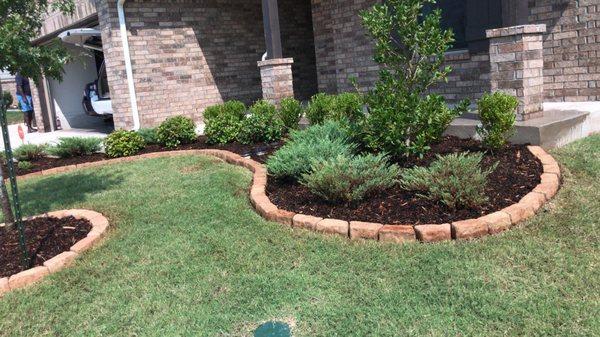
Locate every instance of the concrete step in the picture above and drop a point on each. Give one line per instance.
(555, 129)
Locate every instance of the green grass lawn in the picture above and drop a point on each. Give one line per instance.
(14, 117)
(187, 256)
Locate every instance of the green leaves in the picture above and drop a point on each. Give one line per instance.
(20, 24)
(403, 118)
(176, 131)
(123, 143)
(497, 114)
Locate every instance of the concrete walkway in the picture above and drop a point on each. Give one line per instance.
(49, 137)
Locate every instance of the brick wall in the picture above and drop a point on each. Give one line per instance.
(571, 48)
(342, 47)
(298, 43)
(470, 76)
(56, 21)
(186, 55)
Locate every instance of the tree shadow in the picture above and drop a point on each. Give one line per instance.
(64, 191)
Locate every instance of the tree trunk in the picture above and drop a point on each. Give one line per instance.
(9, 218)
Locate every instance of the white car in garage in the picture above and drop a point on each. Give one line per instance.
(96, 95)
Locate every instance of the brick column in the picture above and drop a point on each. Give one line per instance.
(517, 62)
(277, 79)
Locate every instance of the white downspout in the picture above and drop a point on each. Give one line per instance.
(128, 70)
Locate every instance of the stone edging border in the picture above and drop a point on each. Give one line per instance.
(459, 230)
(62, 260)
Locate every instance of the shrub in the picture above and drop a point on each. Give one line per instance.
(28, 152)
(316, 143)
(497, 114)
(350, 178)
(345, 107)
(290, 111)
(8, 99)
(319, 108)
(224, 122)
(410, 45)
(75, 147)
(123, 143)
(456, 180)
(24, 165)
(262, 125)
(176, 131)
(149, 135)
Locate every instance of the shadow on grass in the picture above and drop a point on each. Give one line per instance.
(64, 191)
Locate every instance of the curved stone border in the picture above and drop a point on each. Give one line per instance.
(62, 260)
(466, 229)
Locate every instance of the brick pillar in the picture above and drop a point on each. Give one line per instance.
(517, 63)
(277, 79)
(37, 104)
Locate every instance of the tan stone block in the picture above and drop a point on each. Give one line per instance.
(433, 233)
(4, 288)
(469, 229)
(333, 226)
(497, 222)
(85, 243)
(281, 216)
(60, 261)
(27, 277)
(263, 205)
(519, 212)
(364, 230)
(305, 221)
(534, 200)
(397, 233)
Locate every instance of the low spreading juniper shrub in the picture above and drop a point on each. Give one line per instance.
(456, 180)
(347, 178)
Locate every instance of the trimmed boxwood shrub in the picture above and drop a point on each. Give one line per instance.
(224, 122)
(347, 178)
(497, 114)
(316, 143)
(290, 111)
(176, 131)
(456, 180)
(75, 147)
(123, 143)
(261, 125)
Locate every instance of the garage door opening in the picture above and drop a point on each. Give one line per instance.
(82, 99)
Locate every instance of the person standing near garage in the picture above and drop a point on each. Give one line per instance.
(25, 101)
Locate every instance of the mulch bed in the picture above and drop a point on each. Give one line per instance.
(46, 238)
(517, 174)
(258, 152)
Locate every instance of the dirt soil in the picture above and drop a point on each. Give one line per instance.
(46, 237)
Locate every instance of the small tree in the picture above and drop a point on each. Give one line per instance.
(20, 23)
(403, 118)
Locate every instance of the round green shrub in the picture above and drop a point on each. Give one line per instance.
(25, 165)
(176, 131)
(224, 122)
(319, 108)
(497, 112)
(8, 99)
(290, 111)
(123, 143)
(149, 135)
(262, 125)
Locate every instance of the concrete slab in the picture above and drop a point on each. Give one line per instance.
(562, 123)
(50, 137)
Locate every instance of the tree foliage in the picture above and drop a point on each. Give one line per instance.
(409, 46)
(20, 23)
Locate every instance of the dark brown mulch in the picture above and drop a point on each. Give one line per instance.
(258, 152)
(46, 237)
(517, 174)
